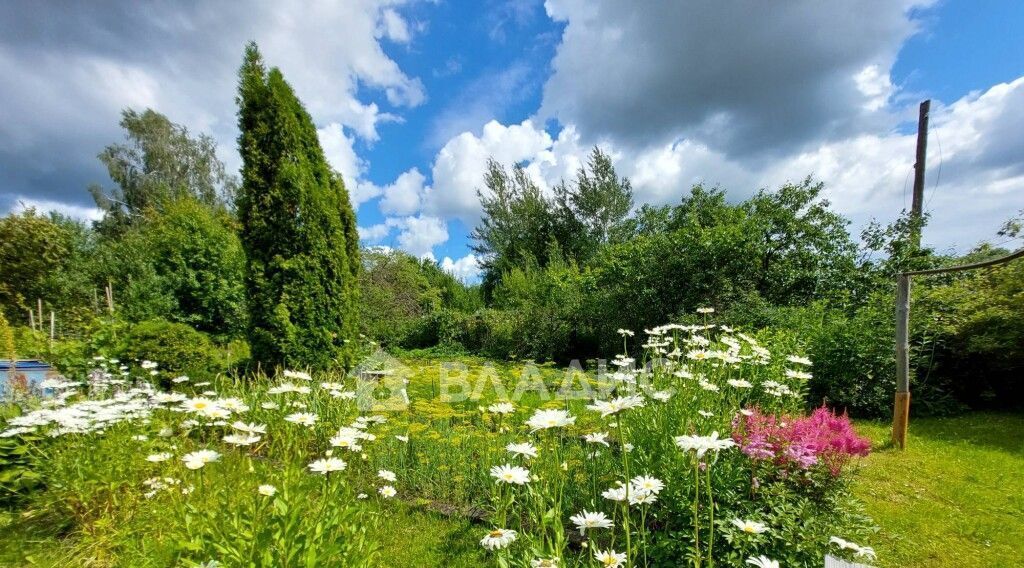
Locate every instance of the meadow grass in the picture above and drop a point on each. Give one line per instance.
(412, 537)
(954, 497)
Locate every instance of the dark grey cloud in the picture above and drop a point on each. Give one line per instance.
(744, 77)
(69, 69)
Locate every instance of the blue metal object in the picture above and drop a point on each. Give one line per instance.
(27, 373)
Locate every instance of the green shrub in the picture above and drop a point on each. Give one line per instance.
(974, 334)
(175, 347)
(854, 361)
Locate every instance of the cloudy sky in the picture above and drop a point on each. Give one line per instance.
(411, 97)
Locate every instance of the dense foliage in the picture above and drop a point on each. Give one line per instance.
(275, 259)
(161, 163)
(298, 229)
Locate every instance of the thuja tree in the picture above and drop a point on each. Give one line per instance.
(298, 229)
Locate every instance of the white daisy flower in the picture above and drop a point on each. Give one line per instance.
(511, 474)
(303, 418)
(198, 404)
(618, 404)
(615, 493)
(799, 360)
(266, 490)
(387, 475)
(387, 491)
(498, 539)
(196, 460)
(588, 520)
(251, 428)
(642, 497)
(241, 439)
(802, 375)
(301, 375)
(762, 562)
(609, 558)
(703, 444)
(648, 484)
(501, 408)
(233, 404)
(348, 438)
(525, 449)
(327, 465)
(543, 419)
(751, 527)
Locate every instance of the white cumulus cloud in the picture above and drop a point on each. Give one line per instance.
(466, 268)
(403, 196)
(420, 234)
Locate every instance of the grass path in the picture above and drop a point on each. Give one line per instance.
(954, 498)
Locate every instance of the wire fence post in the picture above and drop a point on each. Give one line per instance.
(901, 403)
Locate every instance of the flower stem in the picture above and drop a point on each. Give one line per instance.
(625, 511)
(711, 522)
(696, 511)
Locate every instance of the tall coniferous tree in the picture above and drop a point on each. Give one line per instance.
(298, 229)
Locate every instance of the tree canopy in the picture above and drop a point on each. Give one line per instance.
(160, 162)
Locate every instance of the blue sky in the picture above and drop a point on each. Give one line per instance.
(411, 97)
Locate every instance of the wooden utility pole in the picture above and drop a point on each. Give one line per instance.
(901, 403)
(917, 201)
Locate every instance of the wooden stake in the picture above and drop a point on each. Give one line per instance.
(901, 403)
(31, 320)
(52, 328)
(40, 304)
(110, 297)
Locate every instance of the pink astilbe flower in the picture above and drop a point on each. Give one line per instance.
(823, 437)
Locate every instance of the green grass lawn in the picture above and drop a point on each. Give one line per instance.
(410, 537)
(954, 498)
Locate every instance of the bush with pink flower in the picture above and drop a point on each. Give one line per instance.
(822, 438)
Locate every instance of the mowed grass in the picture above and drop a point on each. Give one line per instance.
(953, 498)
